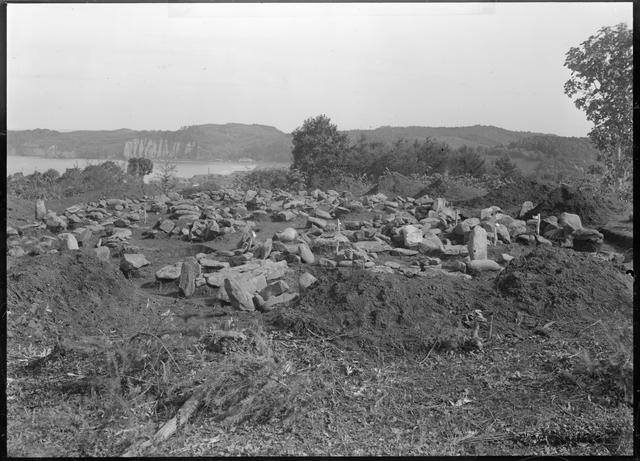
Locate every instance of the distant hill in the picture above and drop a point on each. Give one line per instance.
(232, 141)
(533, 152)
(473, 136)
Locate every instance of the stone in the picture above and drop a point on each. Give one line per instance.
(11, 231)
(68, 241)
(274, 289)
(482, 265)
(171, 272)
(372, 246)
(285, 215)
(212, 264)
(411, 235)
(102, 253)
(503, 233)
(403, 252)
(506, 257)
(526, 207)
(283, 299)
(239, 297)
(321, 223)
(306, 255)
(569, 221)
(41, 210)
(325, 262)
(322, 214)
(133, 261)
(121, 233)
(477, 245)
(471, 222)
(307, 280)
(264, 249)
(461, 229)
(549, 224)
(517, 227)
(56, 223)
(393, 264)
(287, 235)
(430, 244)
(83, 236)
(189, 271)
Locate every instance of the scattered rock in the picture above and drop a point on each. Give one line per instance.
(132, 261)
(239, 297)
(287, 235)
(482, 265)
(307, 280)
(306, 255)
(102, 253)
(188, 273)
(171, 272)
(41, 210)
(477, 245)
(569, 221)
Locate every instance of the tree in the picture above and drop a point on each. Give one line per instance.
(318, 146)
(505, 167)
(467, 161)
(602, 83)
(139, 166)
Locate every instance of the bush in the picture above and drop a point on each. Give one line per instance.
(273, 178)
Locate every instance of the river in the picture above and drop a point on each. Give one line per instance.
(28, 165)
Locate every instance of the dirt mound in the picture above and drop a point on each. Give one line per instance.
(384, 311)
(66, 295)
(592, 208)
(565, 285)
(510, 196)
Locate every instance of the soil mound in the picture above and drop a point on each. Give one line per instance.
(565, 285)
(384, 311)
(510, 196)
(66, 295)
(593, 209)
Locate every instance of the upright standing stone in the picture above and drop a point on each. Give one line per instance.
(477, 245)
(188, 273)
(41, 209)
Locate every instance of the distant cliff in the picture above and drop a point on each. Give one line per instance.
(232, 141)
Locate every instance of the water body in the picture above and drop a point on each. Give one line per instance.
(28, 165)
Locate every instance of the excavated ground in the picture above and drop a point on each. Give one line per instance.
(362, 364)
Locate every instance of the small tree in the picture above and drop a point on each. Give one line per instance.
(139, 166)
(602, 84)
(168, 169)
(318, 146)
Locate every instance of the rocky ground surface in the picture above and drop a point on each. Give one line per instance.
(318, 323)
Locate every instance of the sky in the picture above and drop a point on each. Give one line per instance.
(162, 66)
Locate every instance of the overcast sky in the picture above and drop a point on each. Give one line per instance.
(161, 66)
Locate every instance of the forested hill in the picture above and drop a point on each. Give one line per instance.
(472, 136)
(231, 141)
